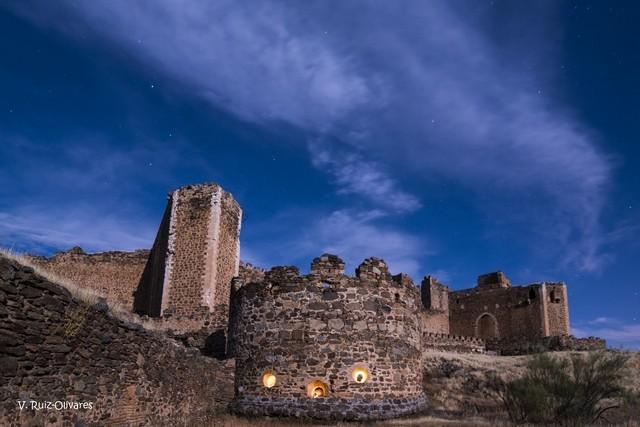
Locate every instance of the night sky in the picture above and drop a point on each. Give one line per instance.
(450, 138)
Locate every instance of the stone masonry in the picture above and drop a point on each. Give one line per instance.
(55, 348)
(194, 257)
(112, 275)
(320, 329)
(323, 345)
(495, 309)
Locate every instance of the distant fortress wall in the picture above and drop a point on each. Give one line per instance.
(112, 275)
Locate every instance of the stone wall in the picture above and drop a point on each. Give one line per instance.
(452, 343)
(435, 321)
(499, 311)
(513, 346)
(113, 275)
(55, 348)
(321, 327)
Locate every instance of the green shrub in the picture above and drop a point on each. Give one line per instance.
(574, 391)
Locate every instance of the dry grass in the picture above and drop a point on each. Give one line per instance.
(85, 295)
(427, 421)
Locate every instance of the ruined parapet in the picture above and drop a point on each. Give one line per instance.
(373, 269)
(327, 267)
(495, 280)
(345, 348)
(194, 258)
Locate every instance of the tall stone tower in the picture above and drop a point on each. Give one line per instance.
(195, 256)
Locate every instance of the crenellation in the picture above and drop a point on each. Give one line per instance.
(327, 267)
(373, 269)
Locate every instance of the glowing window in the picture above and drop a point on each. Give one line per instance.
(269, 379)
(360, 375)
(317, 389)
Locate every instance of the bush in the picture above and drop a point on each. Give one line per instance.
(574, 391)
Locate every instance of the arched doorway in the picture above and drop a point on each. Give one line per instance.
(486, 326)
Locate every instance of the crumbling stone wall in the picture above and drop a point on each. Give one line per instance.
(55, 348)
(435, 322)
(113, 275)
(250, 273)
(320, 327)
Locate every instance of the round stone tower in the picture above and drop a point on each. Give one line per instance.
(327, 345)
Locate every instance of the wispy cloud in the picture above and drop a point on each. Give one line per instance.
(37, 230)
(423, 87)
(616, 332)
(248, 58)
(354, 175)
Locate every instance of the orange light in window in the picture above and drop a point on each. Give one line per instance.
(268, 379)
(360, 375)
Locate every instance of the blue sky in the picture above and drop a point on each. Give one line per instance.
(449, 138)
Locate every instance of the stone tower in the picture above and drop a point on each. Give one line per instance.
(194, 257)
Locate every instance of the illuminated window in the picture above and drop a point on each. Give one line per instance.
(360, 375)
(269, 379)
(317, 389)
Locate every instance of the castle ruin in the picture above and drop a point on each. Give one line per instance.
(325, 344)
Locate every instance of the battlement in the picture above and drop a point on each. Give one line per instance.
(452, 343)
(327, 267)
(327, 275)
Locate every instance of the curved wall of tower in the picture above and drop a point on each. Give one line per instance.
(326, 345)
